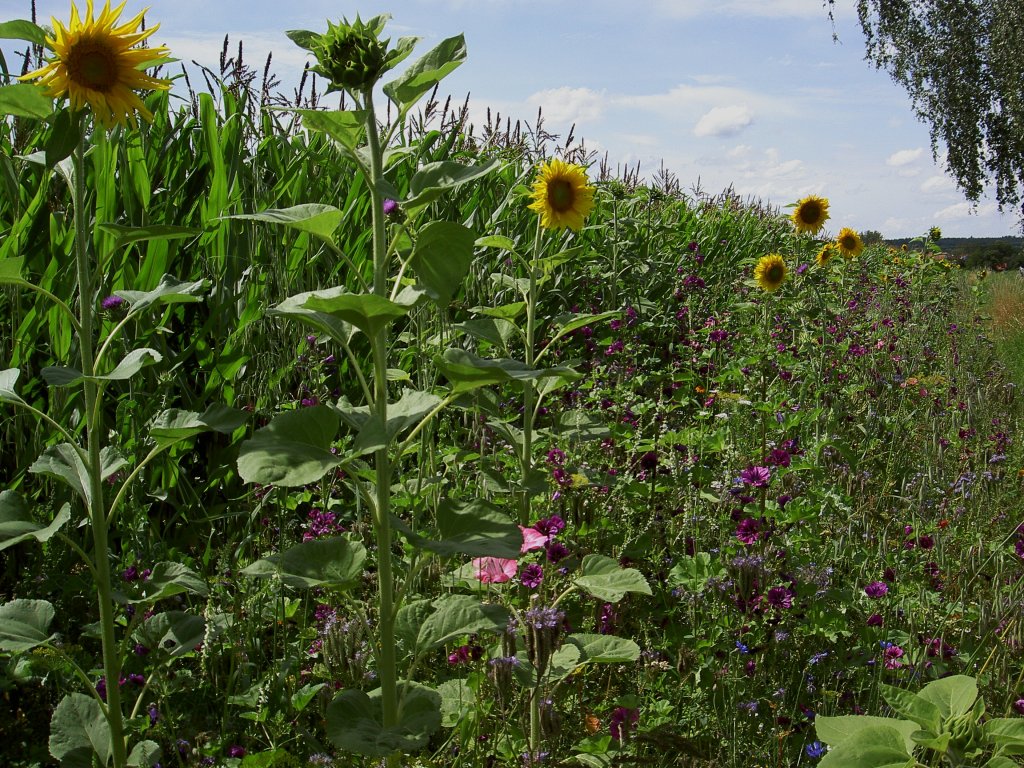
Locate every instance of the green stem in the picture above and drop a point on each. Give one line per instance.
(94, 435)
(386, 661)
(529, 389)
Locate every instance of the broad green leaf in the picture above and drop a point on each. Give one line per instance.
(335, 563)
(693, 572)
(64, 137)
(496, 241)
(595, 760)
(345, 127)
(604, 649)
(366, 311)
(873, 746)
(78, 730)
(476, 528)
(25, 100)
(304, 38)
(8, 378)
(355, 721)
(493, 330)
(467, 371)
(144, 754)
(169, 290)
(317, 219)
(999, 761)
(457, 701)
(426, 72)
(322, 322)
(24, 624)
(602, 577)
(1007, 732)
(441, 259)
(64, 463)
(912, 707)
(127, 235)
(434, 179)
(836, 730)
(173, 425)
(458, 615)
(505, 311)
(22, 29)
(10, 270)
(173, 632)
(403, 415)
(168, 579)
(305, 694)
(132, 363)
(569, 323)
(408, 621)
(17, 525)
(292, 450)
(564, 662)
(953, 695)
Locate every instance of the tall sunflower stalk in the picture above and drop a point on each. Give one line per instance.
(562, 198)
(98, 68)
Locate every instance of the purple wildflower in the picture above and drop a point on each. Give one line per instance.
(757, 477)
(531, 576)
(623, 719)
(876, 589)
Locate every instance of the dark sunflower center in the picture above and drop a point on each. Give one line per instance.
(560, 195)
(848, 243)
(810, 212)
(775, 273)
(92, 65)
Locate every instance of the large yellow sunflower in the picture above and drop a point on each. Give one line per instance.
(770, 272)
(562, 196)
(849, 243)
(810, 214)
(96, 65)
(828, 252)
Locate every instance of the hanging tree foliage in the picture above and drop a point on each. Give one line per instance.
(962, 63)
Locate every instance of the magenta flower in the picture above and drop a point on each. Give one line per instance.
(623, 719)
(748, 530)
(532, 539)
(876, 589)
(875, 620)
(757, 477)
(532, 576)
(779, 597)
(893, 656)
(550, 526)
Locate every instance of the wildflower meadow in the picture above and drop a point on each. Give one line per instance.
(335, 431)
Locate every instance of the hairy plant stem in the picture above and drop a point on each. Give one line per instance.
(94, 434)
(529, 389)
(386, 662)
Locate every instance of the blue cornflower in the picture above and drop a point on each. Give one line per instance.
(815, 750)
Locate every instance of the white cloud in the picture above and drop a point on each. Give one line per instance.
(904, 157)
(937, 184)
(724, 121)
(761, 8)
(960, 211)
(567, 105)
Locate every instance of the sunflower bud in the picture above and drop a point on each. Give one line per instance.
(351, 56)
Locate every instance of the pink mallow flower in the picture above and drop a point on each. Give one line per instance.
(497, 570)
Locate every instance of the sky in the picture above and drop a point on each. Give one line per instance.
(752, 94)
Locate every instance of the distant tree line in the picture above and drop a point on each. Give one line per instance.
(976, 252)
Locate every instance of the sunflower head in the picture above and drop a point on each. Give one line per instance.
(827, 253)
(352, 56)
(849, 243)
(770, 272)
(95, 64)
(810, 214)
(562, 196)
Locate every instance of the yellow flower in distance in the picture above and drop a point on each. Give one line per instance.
(770, 272)
(562, 196)
(849, 243)
(96, 65)
(826, 254)
(810, 214)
